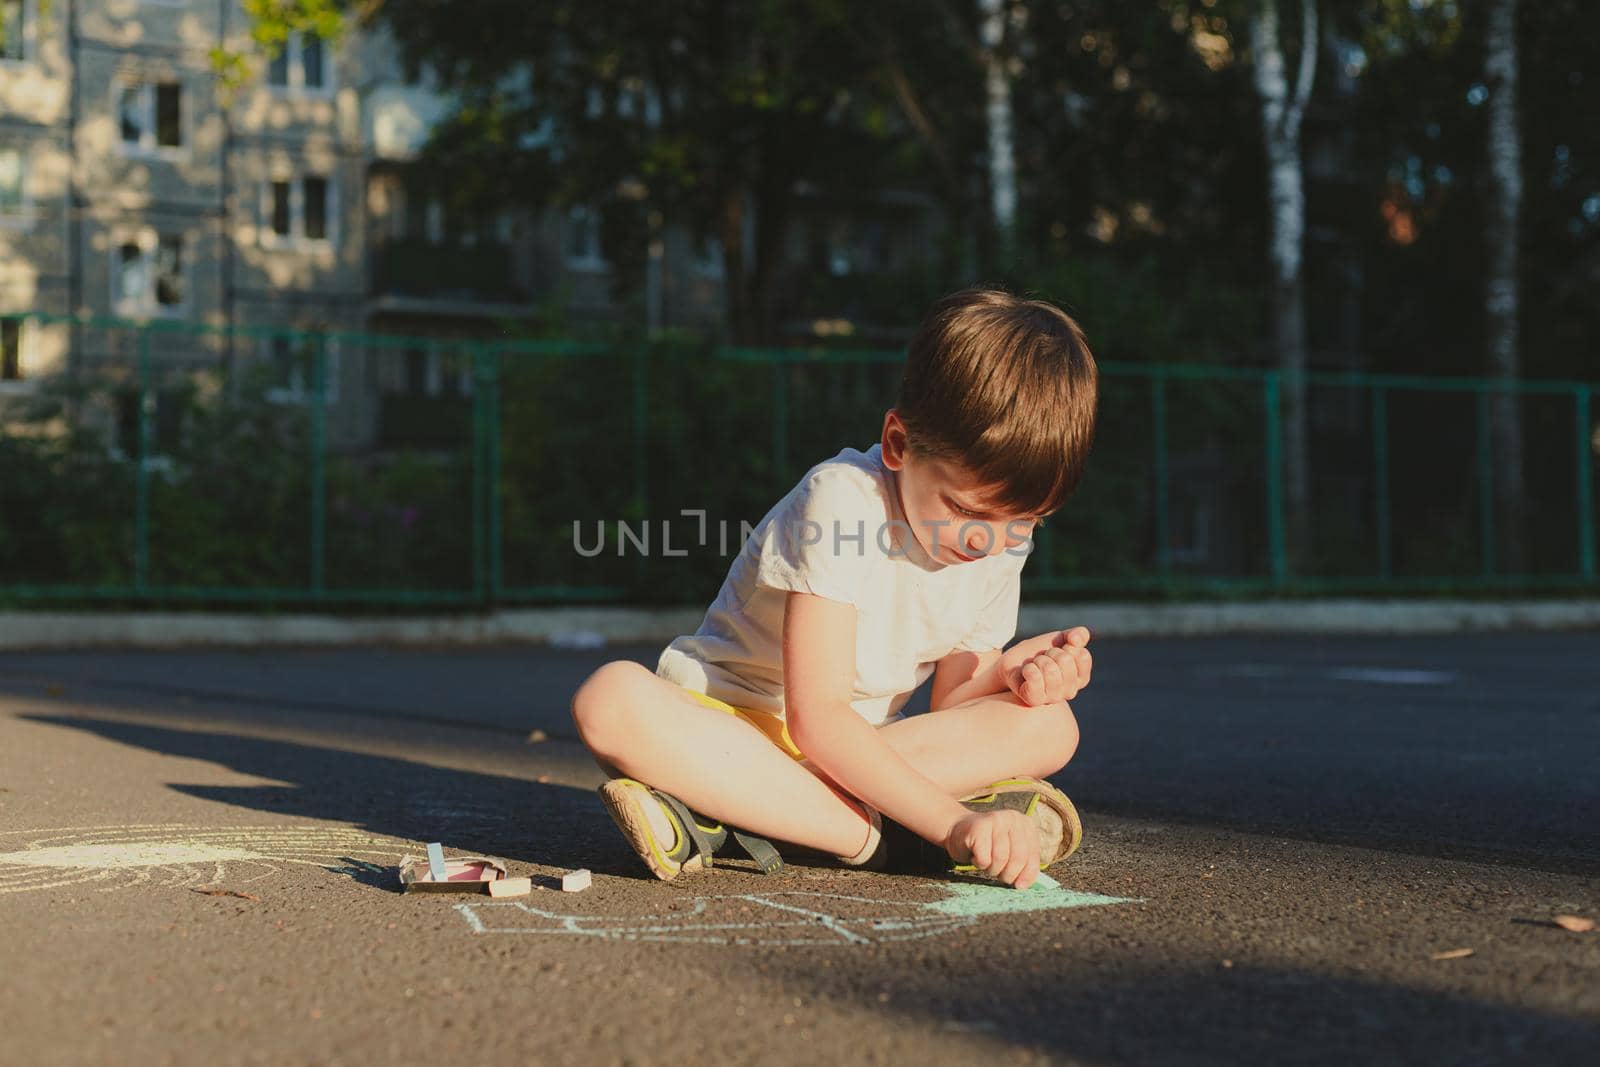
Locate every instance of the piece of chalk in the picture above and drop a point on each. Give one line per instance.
(511, 887)
(576, 881)
(436, 862)
(1044, 881)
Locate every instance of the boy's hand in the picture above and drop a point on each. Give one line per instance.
(1049, 668)
(1001, 844)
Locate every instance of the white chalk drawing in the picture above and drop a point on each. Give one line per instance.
(108, 858)
(783, 918)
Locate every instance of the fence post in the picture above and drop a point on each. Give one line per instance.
(141, 518)
(1271, 387)
(641, 455)
(1158, 416)
(780, 421)
(641, 417)
(319, 485)
(480, 437)
(489, 383)
(1485, 484)
(1586, 546)
(1380, 463)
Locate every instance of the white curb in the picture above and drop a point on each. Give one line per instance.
(593, 627)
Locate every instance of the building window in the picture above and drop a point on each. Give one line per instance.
(166, 411)
(13, 200)
(291, 368)
(583, 239)
(428, 370)
(706, 259)
(150, 276)
(11, 349)
(14, 30)
(302, 65)
(150, 116)
(314, 216)
(298, 210)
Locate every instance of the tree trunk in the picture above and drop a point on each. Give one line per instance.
(730, 228)
(1502, 232)
(1282, 107)
(1002, 142)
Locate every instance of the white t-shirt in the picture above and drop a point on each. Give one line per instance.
(841, 533)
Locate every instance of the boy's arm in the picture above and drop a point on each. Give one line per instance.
(962, 676)
(819, 642)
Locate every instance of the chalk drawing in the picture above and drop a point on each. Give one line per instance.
(171, 856)
(109, 858)
(785, 918)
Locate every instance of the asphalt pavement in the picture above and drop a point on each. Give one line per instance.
(1290, 845)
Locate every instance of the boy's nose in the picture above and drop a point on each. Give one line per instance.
(979, 544)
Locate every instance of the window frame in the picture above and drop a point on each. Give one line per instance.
(24, 382)
(149, 243)
(436, 352)
(295, 74)
(23, 217)
(591, 261)
(300, 392)
(706, 258)
(146, 147)
(29, 11)
(296, 237)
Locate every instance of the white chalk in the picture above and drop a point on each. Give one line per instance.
(511, 887)
(436, 862)
(576, 881)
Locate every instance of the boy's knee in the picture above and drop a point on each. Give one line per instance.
(602, 700)
(1057, 737)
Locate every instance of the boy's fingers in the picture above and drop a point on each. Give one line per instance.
(979, 851)
(1083, 661)
(999, 856)
(1015, 866)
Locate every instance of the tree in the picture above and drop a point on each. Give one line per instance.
(1002, 145)
(1282, 108)
(1502, 233)
(709, 114)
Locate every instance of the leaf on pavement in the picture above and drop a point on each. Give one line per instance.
(1577, 924)
(1453, 954)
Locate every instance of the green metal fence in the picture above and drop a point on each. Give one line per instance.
(387, 469)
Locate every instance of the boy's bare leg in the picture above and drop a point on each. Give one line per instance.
(965, 747)
(648, 728)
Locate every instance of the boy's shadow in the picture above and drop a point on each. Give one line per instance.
(511, 818)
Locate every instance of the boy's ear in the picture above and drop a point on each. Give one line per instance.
(894, 440)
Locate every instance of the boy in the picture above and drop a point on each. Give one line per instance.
(780, 714)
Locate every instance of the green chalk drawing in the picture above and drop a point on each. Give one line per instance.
(971, 900)
(784, 917)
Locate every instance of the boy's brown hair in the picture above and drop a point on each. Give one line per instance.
(1006, 387)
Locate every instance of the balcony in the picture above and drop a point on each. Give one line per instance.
(420, 277)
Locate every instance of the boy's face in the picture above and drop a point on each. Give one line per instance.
(946, 506)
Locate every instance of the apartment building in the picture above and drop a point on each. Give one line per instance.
(135, 185)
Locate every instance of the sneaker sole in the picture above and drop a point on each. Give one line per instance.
(1067, 832)
(625, 798)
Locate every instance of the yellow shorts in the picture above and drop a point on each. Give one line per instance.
(765, 721)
